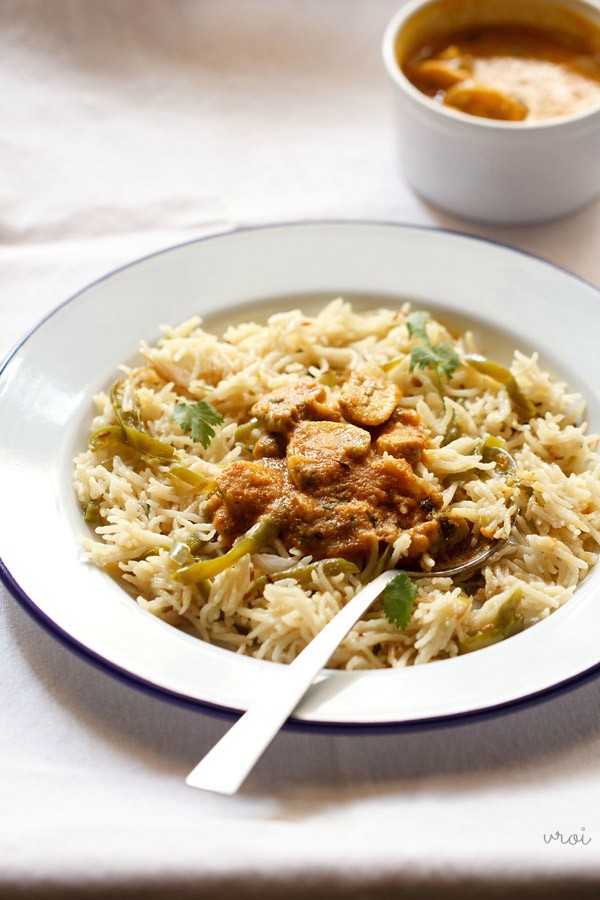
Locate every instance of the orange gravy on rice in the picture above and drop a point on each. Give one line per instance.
(338, 478)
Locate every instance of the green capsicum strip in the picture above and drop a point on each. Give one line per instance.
(508, 622)
(261, 534)
(303, 574)
(181, 554)
(243, 432)
(130, 420)
(453, 430)
(328, 378)
(376, 564)
(92, 513)
(392, 363)
(490, 444)
(194, 479)
(111, 438)
(522, 406)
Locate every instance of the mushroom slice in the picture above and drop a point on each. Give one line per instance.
(439, 74)
(401, 440)
(319, 452)
(282, 408)
(269, 445)
(365, 400)
(480, 100)
(401, 476)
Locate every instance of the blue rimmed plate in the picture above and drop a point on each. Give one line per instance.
(509, 298)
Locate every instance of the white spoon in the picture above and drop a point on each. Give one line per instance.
(225, 767)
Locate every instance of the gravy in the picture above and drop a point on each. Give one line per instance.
(335, 487)
(508, 72)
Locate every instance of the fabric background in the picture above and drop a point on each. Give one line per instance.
(126, 127)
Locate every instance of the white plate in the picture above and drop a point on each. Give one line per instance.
(509, 298)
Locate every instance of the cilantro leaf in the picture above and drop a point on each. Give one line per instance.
(449, 361)
(422, 358)
(425, 355)
(198, 418)
(417, 325)
(399, 599)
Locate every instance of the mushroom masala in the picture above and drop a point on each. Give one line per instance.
(337, 474)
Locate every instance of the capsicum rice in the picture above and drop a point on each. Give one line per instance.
(245, 488)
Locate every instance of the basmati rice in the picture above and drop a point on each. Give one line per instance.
(550, 510)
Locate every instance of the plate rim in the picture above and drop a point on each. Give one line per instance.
(294, 723)
(292, 223)
(230, 712)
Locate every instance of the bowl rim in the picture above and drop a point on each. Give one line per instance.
(461, 119)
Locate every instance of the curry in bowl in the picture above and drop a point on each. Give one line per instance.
(506, 62)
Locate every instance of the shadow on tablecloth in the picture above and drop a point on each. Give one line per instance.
(308, 769)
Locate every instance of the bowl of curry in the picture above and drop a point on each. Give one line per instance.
(498, 105)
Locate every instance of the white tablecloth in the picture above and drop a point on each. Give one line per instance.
(129, 125)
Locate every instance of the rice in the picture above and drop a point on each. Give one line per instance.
(550, 509)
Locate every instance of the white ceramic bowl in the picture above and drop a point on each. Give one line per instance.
(485, 169)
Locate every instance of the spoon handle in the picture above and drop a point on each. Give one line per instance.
(225, 767)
